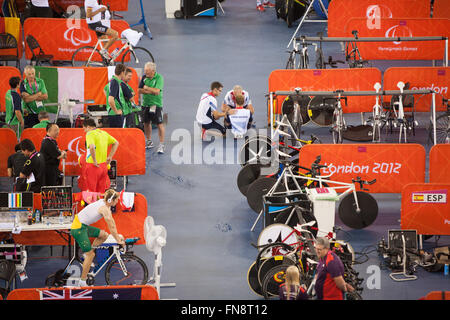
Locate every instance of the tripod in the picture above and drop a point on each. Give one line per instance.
(143, 21)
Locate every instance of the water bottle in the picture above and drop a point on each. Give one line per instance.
(446, 269)
(37, 216)
(114, 52)
(61, 218)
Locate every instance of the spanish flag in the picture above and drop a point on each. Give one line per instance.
(418, 198)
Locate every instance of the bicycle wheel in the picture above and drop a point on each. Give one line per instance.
(272, 262)
(258, 189)
(320, 64)
(277, 232)
(288, 108)
(291, 61)
(257, 149)
(273, 279)
(442, 129)
(252, 279)
(137, 272)
(321, 111)
(248, 174)
(137, 57)
(358, 220)
(88, 57)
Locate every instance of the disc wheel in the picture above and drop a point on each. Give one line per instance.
(137, 58)
(137, 272)
(88, 56)
(273, 279)
(358, 220)
(249, 173)
(258, 189)
(287, 107)
(320, 111)
(271, 262)
(277, 232)
(257, 149)
(252, 279)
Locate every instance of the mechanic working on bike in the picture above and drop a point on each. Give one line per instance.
(82, 230)
(98, 19)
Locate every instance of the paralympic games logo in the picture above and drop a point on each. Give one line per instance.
(399, 30)
(76, 38)
(77, 149)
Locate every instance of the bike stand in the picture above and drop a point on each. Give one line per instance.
(143, 21)
(406, 277)
(306, 14)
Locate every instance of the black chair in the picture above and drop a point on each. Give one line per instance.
(8, 42)
(7, 274)
(38, 56)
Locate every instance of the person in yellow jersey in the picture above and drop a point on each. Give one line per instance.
(97, 158)
(81, 229)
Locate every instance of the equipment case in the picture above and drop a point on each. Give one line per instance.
(199, 8)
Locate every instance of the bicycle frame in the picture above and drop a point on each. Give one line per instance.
(376, 114)
(125, 46)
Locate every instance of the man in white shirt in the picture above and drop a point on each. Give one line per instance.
(98, 19)
(208, 113)
(229, 103)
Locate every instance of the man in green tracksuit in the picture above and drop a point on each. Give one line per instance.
(151, 87)
(14, 113)
(44, 120)
(33, 92)
(115, 101)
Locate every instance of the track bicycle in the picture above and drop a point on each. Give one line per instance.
(122, 267)
(338, 126)
(352, 54)
(135, 57)
(378, 118)
(298, 58)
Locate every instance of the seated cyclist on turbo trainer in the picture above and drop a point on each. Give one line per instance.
(98, 19)
(81, 229)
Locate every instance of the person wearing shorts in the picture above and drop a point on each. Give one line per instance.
(97, 159)
(151, 87)
(98, 20)
(229, 102)
(81, 229)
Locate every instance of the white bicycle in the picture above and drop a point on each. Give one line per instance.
(135, 57)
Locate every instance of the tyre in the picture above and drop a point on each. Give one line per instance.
(252, 279)
(321, 110)
(276, 232)
(88, 57)
(137, 57)
(135, 266)
(320, 64)
(271, 262)
(358, 220)
(336, 131)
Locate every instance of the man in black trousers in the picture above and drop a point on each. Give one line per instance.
(52, 155)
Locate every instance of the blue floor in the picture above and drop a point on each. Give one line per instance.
(208, 250)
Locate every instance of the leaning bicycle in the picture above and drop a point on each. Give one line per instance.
(135, 57)
(338, 127)
(122, 267)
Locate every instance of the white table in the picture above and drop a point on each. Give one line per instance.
(35, 226)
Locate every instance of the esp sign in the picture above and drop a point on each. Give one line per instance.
(438, 196)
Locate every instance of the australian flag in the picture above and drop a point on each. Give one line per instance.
(92, 294)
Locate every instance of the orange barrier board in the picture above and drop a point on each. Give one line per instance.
(393, 165)
(62, 37)
(341, 11)
(140, 292)
(8, 141)
(60, 5)
(433, 78)
(401, 27)
(129, 224)
(440, 163)
(130, 155)
(426, 208)
(441, 9)
(7, 73)
(358, 79)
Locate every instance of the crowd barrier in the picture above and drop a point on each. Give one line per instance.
(138, 292)
(8, 141)
(6, 72)
(440, 163)
(13, 27)
(401, 27)
(433, 78)
(357, 79)
(341, 11)
(426, 208)
(441, 9)
(130, 156)
(392, 165)
(62, 37)
(82, 83)
(129, 224)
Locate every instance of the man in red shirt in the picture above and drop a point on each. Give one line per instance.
(330, 283)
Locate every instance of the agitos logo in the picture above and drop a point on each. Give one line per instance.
(77, 36)
(77, 149)
(399, 30)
